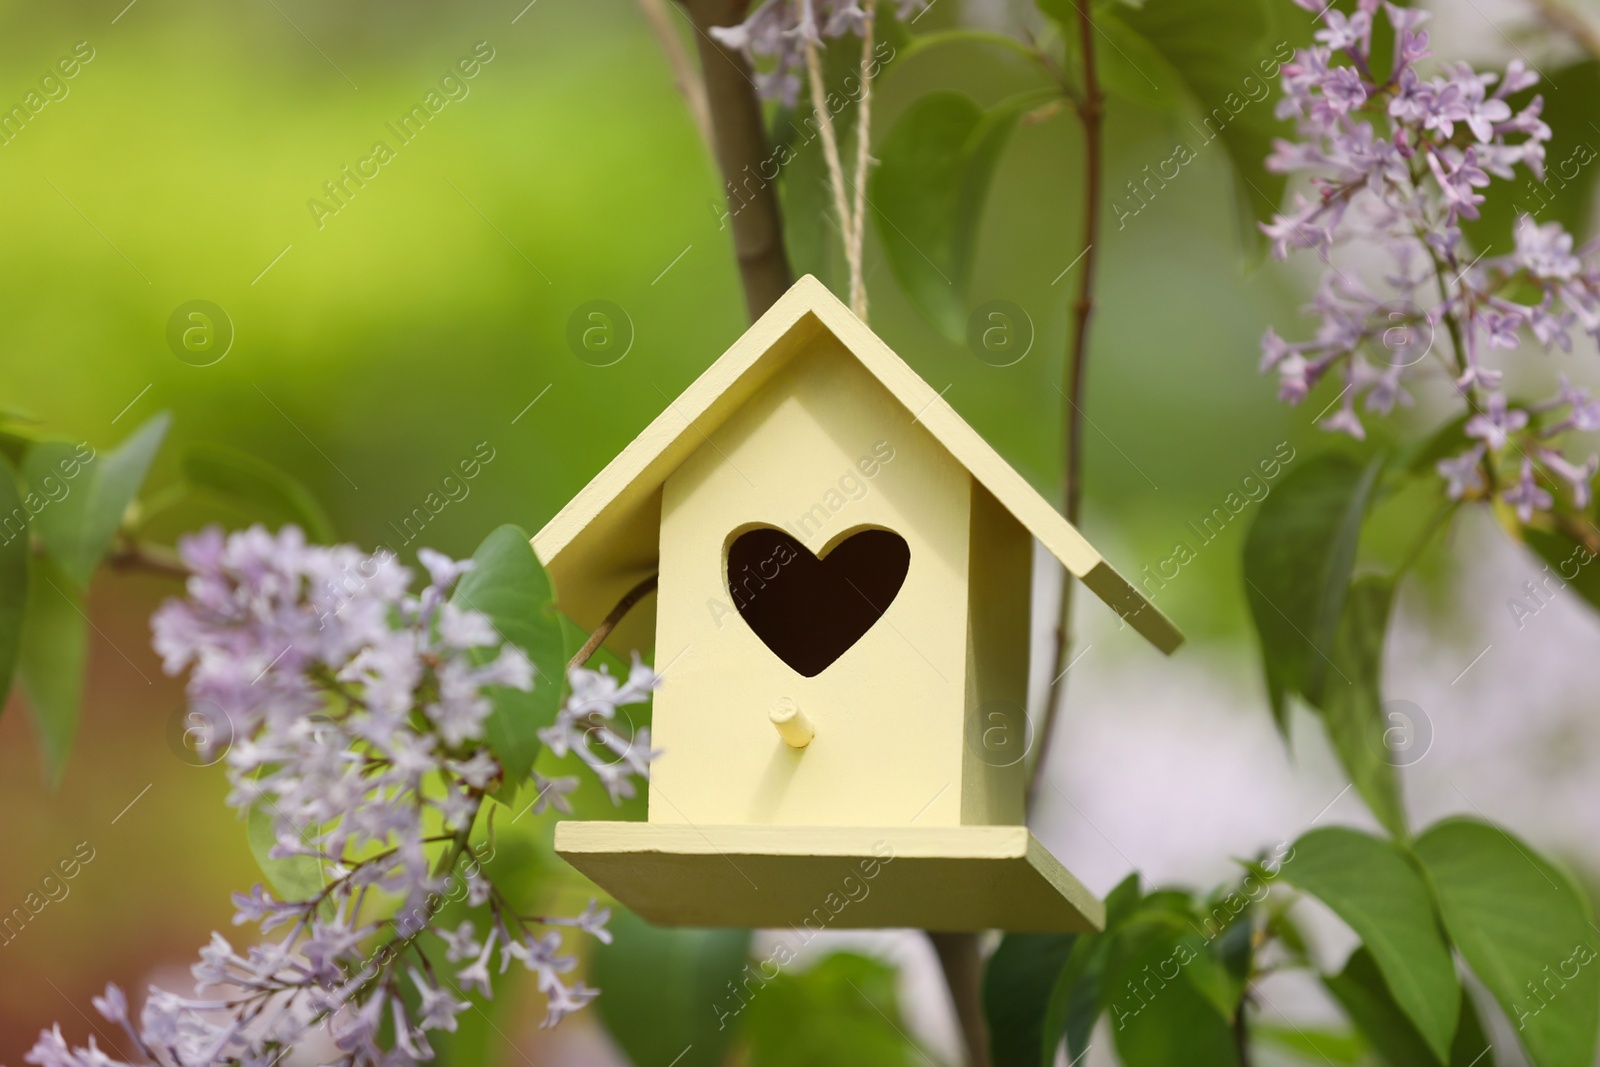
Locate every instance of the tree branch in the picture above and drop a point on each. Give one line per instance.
(1580, 530)
(741, 150)
(609, 623)
(684, 76)
(963, 973)
(1091, 109)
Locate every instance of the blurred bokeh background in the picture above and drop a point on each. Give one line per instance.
(425, 322)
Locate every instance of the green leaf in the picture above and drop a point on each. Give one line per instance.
(928, 193)
(1352, 701)
(1298, 558)
(1525, 931)
(1362, 992)
(1379, 892)
(1075, 1002)
(14, 554)
(1159, 1016)
(58, 478)
(291, 878)
(86, 506)
(927, 42)
(1422, 456)
(808, 239)
(1566, 195)
(1017, 983)
(1220, 967)
(1471, 1047)
(509, 585)
(670, 992)
(841, 1012)
(1567, 563)
(1316, 1045)
(1219, 54)
(256, 486)
(15, 442)
(55, 644)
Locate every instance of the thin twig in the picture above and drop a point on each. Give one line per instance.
(131, 555)
(684, 75)
(858, 280)
(1090, 111)
(609, 623)
(1580, 530)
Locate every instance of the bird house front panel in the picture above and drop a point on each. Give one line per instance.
(813, 611)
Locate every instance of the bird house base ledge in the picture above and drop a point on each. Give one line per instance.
(951, 878)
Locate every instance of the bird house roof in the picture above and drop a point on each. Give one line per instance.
(607, 537)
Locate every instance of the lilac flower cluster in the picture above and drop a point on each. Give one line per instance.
(1397, 161)
(773, 37)
(355, 712)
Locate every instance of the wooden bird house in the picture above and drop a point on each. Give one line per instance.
(841, 623)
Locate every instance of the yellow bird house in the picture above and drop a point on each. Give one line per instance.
(841, 623)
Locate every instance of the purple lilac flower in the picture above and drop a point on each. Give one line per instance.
(774, 35)
(1395, 162)
(1526, 495)
(357, 711)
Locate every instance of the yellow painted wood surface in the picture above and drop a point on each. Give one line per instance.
(995, 736)
(811, 425)
(604, 540)
(889, 713)
(935, 878)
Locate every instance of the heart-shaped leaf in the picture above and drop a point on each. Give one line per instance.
(55, 646)
(1352, 700)
(670, 995)
(1017, 982)
(1378, 890)
(86, 506)
(1365, 997)
(508, 585)
(257, 486)
(1525, 931)
(1298, 558)
(928, 193)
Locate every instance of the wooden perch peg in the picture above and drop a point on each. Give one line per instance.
(793, 726)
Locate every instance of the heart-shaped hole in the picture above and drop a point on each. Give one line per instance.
(809, 611)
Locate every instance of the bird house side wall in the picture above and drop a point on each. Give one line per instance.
(993, 771)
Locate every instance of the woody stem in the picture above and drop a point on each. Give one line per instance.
(740, 142)
(1091, 109)
(609, 623)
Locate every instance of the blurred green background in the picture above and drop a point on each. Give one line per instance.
(374, 353)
